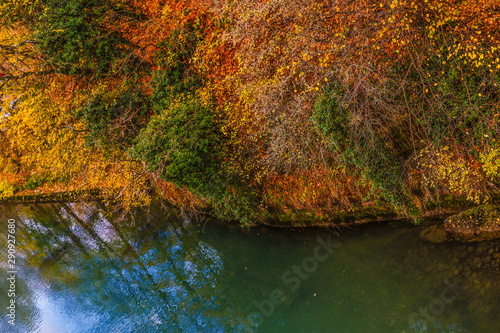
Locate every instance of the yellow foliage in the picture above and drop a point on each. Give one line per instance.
(51, 145)
(491, 162)
(443, 171)
(6, 189)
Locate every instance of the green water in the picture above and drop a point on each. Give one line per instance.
(80, 268)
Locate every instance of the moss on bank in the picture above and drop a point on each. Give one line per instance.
(67, 196)
(357, 215)
(474, 225)
(291, 218)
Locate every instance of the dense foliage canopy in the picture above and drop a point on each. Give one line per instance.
(249, 106)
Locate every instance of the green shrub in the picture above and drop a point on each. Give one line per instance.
(114, 117)
(74, 35)
(34, 182)
(365, 151)
(185, 146)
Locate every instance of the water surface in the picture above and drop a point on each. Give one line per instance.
(80, 268)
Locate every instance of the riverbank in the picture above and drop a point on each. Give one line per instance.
(359, 214)
(66, 196)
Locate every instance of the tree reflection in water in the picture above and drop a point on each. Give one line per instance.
(154, 274)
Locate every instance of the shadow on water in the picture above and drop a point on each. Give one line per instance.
(82, 269)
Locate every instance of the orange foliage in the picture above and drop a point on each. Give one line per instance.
(320, 190)
(263, 64)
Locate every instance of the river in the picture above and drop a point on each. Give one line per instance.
(80, 267)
